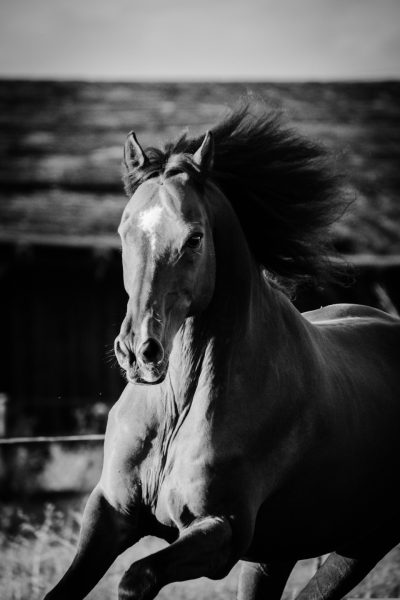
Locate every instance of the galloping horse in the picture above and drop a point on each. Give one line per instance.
(246, 430)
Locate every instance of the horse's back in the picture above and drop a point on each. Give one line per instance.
(357, 349)
(334, 312)
(357, 339)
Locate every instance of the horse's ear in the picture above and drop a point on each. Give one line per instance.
(134, 155)
(204, 156)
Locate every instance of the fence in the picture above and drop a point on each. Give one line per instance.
(60, 309)
(50, 464)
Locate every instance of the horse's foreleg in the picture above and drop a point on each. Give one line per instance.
(338, 575)
(263, 581)
(105, 533)
(203, 549)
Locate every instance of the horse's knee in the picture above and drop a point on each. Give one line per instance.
(139, 582)
(263, 580)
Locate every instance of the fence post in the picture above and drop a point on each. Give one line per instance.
(3, 414)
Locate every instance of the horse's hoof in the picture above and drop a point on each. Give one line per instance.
(138, 583)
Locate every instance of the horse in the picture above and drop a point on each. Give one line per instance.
(247, 430)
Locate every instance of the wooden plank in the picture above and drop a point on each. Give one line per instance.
(101, 241)
(52, 439)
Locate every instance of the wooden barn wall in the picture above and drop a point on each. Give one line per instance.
(60, 310)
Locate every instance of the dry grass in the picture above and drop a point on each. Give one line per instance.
(34, 553)
(36, 550)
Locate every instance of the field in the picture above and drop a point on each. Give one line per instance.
(37, 546)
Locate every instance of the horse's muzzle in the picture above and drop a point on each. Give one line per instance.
(146, 375)
(151, 366)
(148, 367)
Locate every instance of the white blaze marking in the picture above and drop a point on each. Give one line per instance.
(148, 222)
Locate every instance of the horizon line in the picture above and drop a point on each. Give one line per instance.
(194, 80)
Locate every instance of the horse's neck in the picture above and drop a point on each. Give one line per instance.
(247, 320)
(203, 342)
(247, 308)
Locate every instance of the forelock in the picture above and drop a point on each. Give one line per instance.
(163, 166)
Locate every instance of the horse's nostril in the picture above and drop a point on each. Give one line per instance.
(123, 352)
(119, 348)
(151, 351)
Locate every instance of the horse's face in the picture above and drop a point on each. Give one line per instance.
(168, 266)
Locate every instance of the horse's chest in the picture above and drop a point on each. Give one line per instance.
(194, 481)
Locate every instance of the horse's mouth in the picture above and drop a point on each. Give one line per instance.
(152, 375)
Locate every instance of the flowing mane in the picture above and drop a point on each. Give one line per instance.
(280, 185)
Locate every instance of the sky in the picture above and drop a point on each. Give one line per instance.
(200, 39)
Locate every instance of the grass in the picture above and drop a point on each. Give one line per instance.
(34, 552)
(37, 548)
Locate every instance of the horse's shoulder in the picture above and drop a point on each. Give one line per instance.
(333, 312)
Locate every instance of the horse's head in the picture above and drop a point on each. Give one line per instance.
(168, 262)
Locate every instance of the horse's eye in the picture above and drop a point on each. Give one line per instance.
(194, 241)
